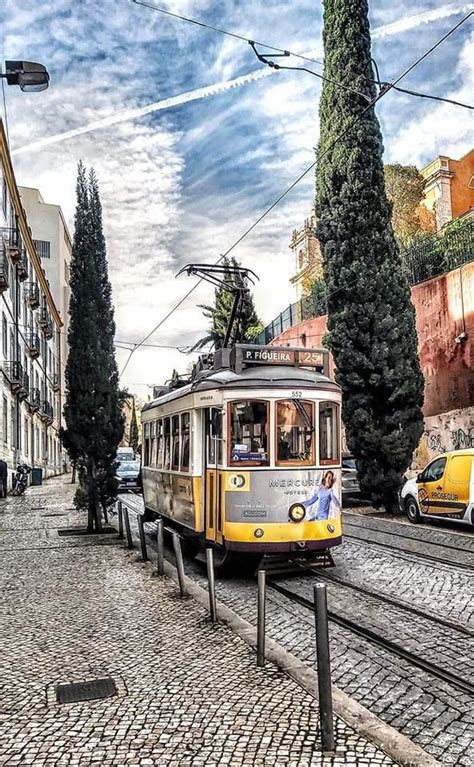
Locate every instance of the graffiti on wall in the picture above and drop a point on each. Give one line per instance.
(444, 432)
(462, 438)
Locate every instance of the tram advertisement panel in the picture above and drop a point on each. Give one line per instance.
(276, 496)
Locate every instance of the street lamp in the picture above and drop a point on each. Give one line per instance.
(28, 75)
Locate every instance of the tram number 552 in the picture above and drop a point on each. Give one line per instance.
(296, 394)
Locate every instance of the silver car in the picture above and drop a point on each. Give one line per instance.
(350, 483)
(128, 471)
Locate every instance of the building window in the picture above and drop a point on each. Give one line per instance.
(4, 337)
(12, 426)
(4, 197)
(26, 437)
(5, 420)
(43, 248)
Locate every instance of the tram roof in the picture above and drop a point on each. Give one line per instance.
(261, 377)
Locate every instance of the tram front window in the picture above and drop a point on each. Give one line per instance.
(295, 432)
(249, 433)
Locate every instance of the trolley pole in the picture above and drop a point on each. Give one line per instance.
(179, 563)
(211, 584)
(324, 667)
(261, 580)
(160, 550)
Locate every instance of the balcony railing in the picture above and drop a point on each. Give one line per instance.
(4, 270)
(12, 239)
(34, 399)
(16, 375)
(45, 322)
(434, 255)
(22, 266)
(33, 344)
(32, 294)
(46, 411)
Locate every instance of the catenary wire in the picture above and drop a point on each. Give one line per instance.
(388, 87)
(286, 52)
(225, 32)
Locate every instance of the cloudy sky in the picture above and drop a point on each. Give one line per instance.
(192, 138)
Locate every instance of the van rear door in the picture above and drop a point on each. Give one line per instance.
(457, 485)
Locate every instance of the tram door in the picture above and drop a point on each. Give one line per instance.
(213, 498)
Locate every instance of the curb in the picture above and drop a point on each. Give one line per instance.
(398, 747)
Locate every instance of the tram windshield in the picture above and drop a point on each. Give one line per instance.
(249, 433)
(295, 432)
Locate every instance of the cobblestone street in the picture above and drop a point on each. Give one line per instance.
(188, 693)
(428, 710)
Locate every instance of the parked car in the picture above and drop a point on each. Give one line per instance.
(444, 489)
(350, 483)
(128, 469)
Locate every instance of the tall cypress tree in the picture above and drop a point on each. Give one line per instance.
(93, 411)
(371, 319)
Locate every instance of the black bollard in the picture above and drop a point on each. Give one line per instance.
(324, 667)
(261, 596)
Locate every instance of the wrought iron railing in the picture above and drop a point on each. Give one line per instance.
(430, 257)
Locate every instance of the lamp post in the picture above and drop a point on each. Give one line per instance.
(28, 75)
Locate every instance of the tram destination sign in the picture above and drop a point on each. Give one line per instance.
(316, 359)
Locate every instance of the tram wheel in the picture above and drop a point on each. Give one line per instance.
(412, 511)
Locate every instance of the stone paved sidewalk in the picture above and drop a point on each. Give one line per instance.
(189, 693)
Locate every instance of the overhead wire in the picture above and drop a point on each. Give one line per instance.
(382, 92)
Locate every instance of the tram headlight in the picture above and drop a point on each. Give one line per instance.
(297, 512)
(258, 533)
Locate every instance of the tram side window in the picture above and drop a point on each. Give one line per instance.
(175, 443)
(167, 442)
(249, 433)
(328, 433)
(153, 444)
(159, 444)
(295, 432)
(185, 441)
(146, 456)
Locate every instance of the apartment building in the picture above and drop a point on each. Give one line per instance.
(30, 347)
(449, 187)
(54, 247)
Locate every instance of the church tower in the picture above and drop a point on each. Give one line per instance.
(306, 257)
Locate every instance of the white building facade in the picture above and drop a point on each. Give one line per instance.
(30, 348)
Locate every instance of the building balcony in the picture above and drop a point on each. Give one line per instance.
(45, 322)
(22, 266)
(4, 271)
(33, 344)
(34, 399)
(16, 375)
(56, 381)
(12, 241)
(46, 411)
(32, 294)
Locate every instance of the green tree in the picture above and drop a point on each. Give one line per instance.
(371, 320)
(247, 324)
(405, 185)
(133, 437)
(93, 411)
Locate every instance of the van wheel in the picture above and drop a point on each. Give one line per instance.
(412, 511)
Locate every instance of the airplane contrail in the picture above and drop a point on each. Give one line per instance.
(411, 22)
(124, 115)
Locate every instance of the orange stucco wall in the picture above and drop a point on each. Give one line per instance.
(444, 309)
(462, 196)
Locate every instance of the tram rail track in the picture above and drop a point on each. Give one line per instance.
(395, 603)
(386, 644)
(414, 537)
(420, 555)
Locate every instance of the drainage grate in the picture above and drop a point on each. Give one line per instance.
(83, 531)
(54, 514)
(95, 689)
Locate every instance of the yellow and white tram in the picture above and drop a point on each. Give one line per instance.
(247, 455)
